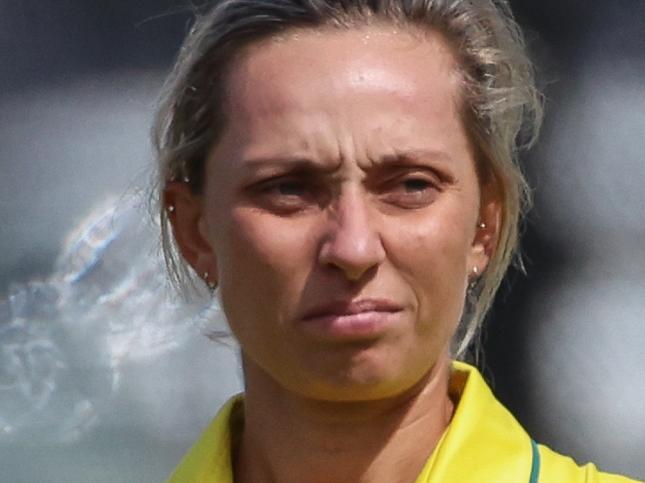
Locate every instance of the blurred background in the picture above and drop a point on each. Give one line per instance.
(105, 376)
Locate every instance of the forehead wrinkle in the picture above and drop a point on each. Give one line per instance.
(295, 106)
(291, 162)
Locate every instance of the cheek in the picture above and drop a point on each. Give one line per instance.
(259, 261)
(432, 255)
(438, 248)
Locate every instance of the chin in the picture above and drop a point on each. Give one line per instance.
(364, 380)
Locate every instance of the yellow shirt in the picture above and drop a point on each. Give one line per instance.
(483, 443)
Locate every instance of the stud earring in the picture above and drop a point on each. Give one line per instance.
(482, 225)
(171, 209)
(211, 285)
(472, 288)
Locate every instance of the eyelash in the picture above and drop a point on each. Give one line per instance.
(280, 183)
(417, 180)
(270, 193)
(413, 190)
(408, 191)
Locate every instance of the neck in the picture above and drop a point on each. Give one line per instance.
(288, 438)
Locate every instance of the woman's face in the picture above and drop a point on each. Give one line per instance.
(340, 212)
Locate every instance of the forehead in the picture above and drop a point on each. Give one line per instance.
(340, 93)
(299, 65)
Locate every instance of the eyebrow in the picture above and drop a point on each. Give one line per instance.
(413, 156)
(404, 157)
(289, 160)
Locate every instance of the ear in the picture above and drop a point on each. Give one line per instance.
(185, 212)
(488, 228)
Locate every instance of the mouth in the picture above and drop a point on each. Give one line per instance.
(342, 308)
(352, 320)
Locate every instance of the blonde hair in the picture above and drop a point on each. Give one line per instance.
(501, 107)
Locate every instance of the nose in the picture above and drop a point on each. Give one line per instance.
(352, 244)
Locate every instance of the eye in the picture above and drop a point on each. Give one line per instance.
(286, 194)
(411, 191)
(287, 188)
(416, 184)
(284, 187)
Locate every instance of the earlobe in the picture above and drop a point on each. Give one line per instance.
(185, 213)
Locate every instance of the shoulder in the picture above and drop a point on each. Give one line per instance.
(560, 468)
(484, 431)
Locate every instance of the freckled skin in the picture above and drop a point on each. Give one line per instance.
(358, 221)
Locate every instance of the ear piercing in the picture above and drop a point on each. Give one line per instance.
(481, 225)
(211, 285)
(171, 209)
(472, 285)
(184, 179)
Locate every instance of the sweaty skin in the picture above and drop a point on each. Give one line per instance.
(340, 218)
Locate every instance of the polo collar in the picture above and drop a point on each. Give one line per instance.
(483, 441)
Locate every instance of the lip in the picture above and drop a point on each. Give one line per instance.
(352, 319)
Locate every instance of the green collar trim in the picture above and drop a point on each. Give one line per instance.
(535, 467)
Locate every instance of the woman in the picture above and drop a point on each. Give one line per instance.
(343, 172)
